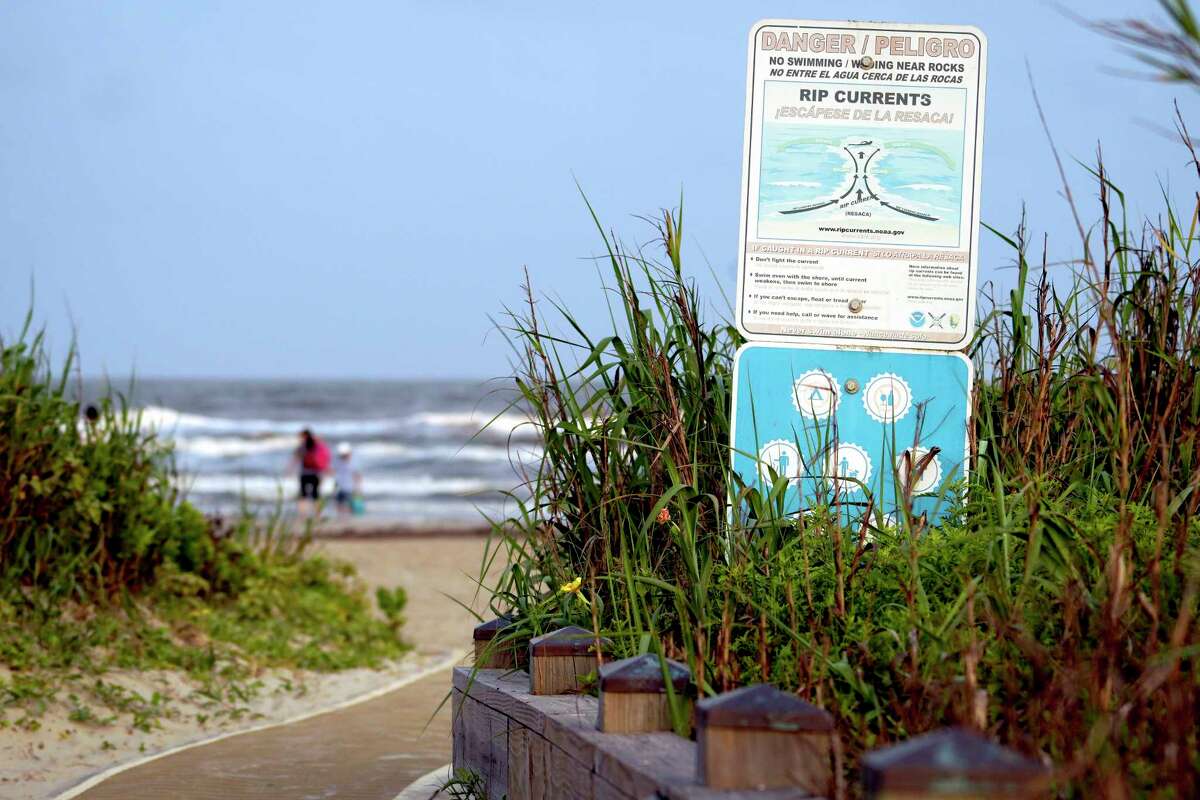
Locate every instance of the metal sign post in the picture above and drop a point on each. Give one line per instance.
(859, 228)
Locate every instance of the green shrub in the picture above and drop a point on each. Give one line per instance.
(86, 508)
(1056, 609)
(103, 566)
(392, 603)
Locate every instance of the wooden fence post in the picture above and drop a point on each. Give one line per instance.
(560, 659)
(759, 737)
(954, 762)
(633, 694)
(488, 655)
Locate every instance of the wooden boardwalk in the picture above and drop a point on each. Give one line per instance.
(369, 751)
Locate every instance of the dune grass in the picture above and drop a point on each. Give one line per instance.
(104, 567)
(1053, 608)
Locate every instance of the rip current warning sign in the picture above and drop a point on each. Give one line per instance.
(860, 196)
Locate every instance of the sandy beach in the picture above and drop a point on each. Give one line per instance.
(433, 564)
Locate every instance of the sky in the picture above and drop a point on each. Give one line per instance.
(353, 189)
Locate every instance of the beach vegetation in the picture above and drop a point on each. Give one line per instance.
(1053, 606)
(105, 569)
(465, 784)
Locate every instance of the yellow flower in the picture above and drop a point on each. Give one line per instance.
(571, 587)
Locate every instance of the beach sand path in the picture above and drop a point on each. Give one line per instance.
(369, 750)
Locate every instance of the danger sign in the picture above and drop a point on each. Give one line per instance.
(860, 195)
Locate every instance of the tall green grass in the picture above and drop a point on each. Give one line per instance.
(86, 507)
(1055, 610)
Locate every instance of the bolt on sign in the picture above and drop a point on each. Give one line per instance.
(860, 188)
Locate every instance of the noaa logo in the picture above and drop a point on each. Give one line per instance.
(916, 319)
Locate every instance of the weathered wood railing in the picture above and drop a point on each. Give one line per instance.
(753, 742)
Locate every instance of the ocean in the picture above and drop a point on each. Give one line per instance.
(422, 447)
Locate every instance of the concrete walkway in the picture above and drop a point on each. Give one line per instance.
(370, 751)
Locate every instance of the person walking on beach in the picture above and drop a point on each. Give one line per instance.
(312, 456)
(345, 480)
